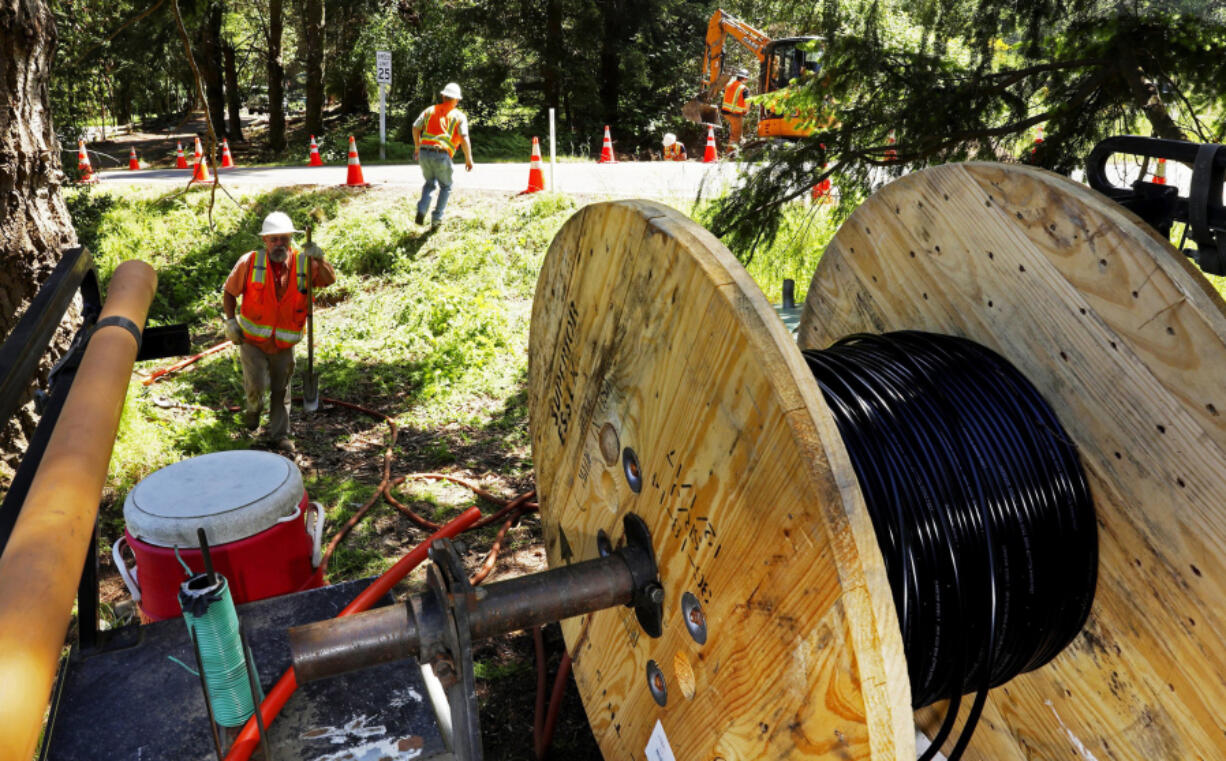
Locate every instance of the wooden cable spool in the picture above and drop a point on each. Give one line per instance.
(650, 344)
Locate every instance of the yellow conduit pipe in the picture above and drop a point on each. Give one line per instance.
(41, 565)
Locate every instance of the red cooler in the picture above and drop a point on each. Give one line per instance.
(253, 508)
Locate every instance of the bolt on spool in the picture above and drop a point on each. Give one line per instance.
(630, 464)
(695, 619)
(656, 683)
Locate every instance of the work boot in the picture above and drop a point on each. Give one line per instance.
(283, 444)
(251, 420)
(420, 219)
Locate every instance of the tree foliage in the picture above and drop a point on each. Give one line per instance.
(975, 79)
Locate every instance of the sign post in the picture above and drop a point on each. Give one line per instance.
(383, 75)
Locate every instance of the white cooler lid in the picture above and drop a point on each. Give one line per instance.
(232, 495)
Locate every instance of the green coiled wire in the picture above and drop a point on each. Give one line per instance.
(212, 622)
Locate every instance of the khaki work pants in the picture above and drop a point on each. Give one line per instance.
(262, 372)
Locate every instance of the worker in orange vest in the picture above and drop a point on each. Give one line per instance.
(734, 106)
(438, 131)
(272, 284)
(673, 150)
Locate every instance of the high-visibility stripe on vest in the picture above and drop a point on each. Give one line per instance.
(734, 98)
(674, 152)
(442, 129)
(262, 317)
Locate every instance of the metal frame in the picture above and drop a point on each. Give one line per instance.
(1161, 205)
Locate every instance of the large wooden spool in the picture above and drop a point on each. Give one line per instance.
(647, 335)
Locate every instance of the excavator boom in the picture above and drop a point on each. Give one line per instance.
(780, 60)
(722, 26)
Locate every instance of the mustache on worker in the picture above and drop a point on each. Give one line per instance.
(279, 253)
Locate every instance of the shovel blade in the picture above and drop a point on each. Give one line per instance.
(310, 393)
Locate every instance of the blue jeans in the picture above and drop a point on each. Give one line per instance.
(436, 168)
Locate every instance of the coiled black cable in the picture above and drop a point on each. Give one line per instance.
(981, 508)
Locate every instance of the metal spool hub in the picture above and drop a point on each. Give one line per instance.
(779, 637)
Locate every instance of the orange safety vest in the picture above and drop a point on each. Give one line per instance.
(734, 98)
(674, 152)
(267, 322)
(442, 129)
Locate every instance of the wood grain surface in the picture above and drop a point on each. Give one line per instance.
(647, 335)
(1127, 341)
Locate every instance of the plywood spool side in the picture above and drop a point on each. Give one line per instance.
(1128, 344)
(647, 334)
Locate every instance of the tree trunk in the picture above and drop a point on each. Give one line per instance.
(208, 59)
(355, 99)
(610, 60)
(553, 54)
(34, 223)
(1146, 96)
(276, 77)
(313, 57)
(233, 102)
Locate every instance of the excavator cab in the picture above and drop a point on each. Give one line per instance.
(783, 62)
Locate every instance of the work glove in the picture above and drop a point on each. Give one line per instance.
(313, 250)
(233, 331)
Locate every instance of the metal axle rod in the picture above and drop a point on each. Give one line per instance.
(420, 627)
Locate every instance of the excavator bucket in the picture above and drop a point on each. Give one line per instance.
(701, 113)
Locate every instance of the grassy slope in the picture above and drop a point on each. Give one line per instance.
(431, 329)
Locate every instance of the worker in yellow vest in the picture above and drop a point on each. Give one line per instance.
(438, 131)
(734, 106)
(272, 285)
(673, 150)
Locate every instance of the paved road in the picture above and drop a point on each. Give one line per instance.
(630, 179)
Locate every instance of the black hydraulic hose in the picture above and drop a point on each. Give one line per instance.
(980, 505)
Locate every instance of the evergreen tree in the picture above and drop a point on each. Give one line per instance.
(952, 81)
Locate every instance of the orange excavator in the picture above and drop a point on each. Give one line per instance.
(781, 61)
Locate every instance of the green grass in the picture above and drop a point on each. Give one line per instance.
(429, 327)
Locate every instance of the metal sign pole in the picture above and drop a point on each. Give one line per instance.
(383, 75)
(382, 121)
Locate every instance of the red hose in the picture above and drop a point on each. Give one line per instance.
(180, 365)
(249, 739)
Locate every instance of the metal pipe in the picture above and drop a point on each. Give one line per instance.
(340, 645)
(329, 648)
(42, 563)
(553, 595)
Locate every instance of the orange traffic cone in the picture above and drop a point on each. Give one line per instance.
(1160, 173)
(133, 162)
(536, 174)
(180, 159)
(83, 166)
(200, 173)
(890, 153)
(316, 159)
(606, 150)
(821, 189)
(200, 166)
(709, 156)
(355, 166)
(226, 159)
(1038, 139)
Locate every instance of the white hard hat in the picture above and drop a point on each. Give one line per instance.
(669, 139)
(452, 90)
(278, 223)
